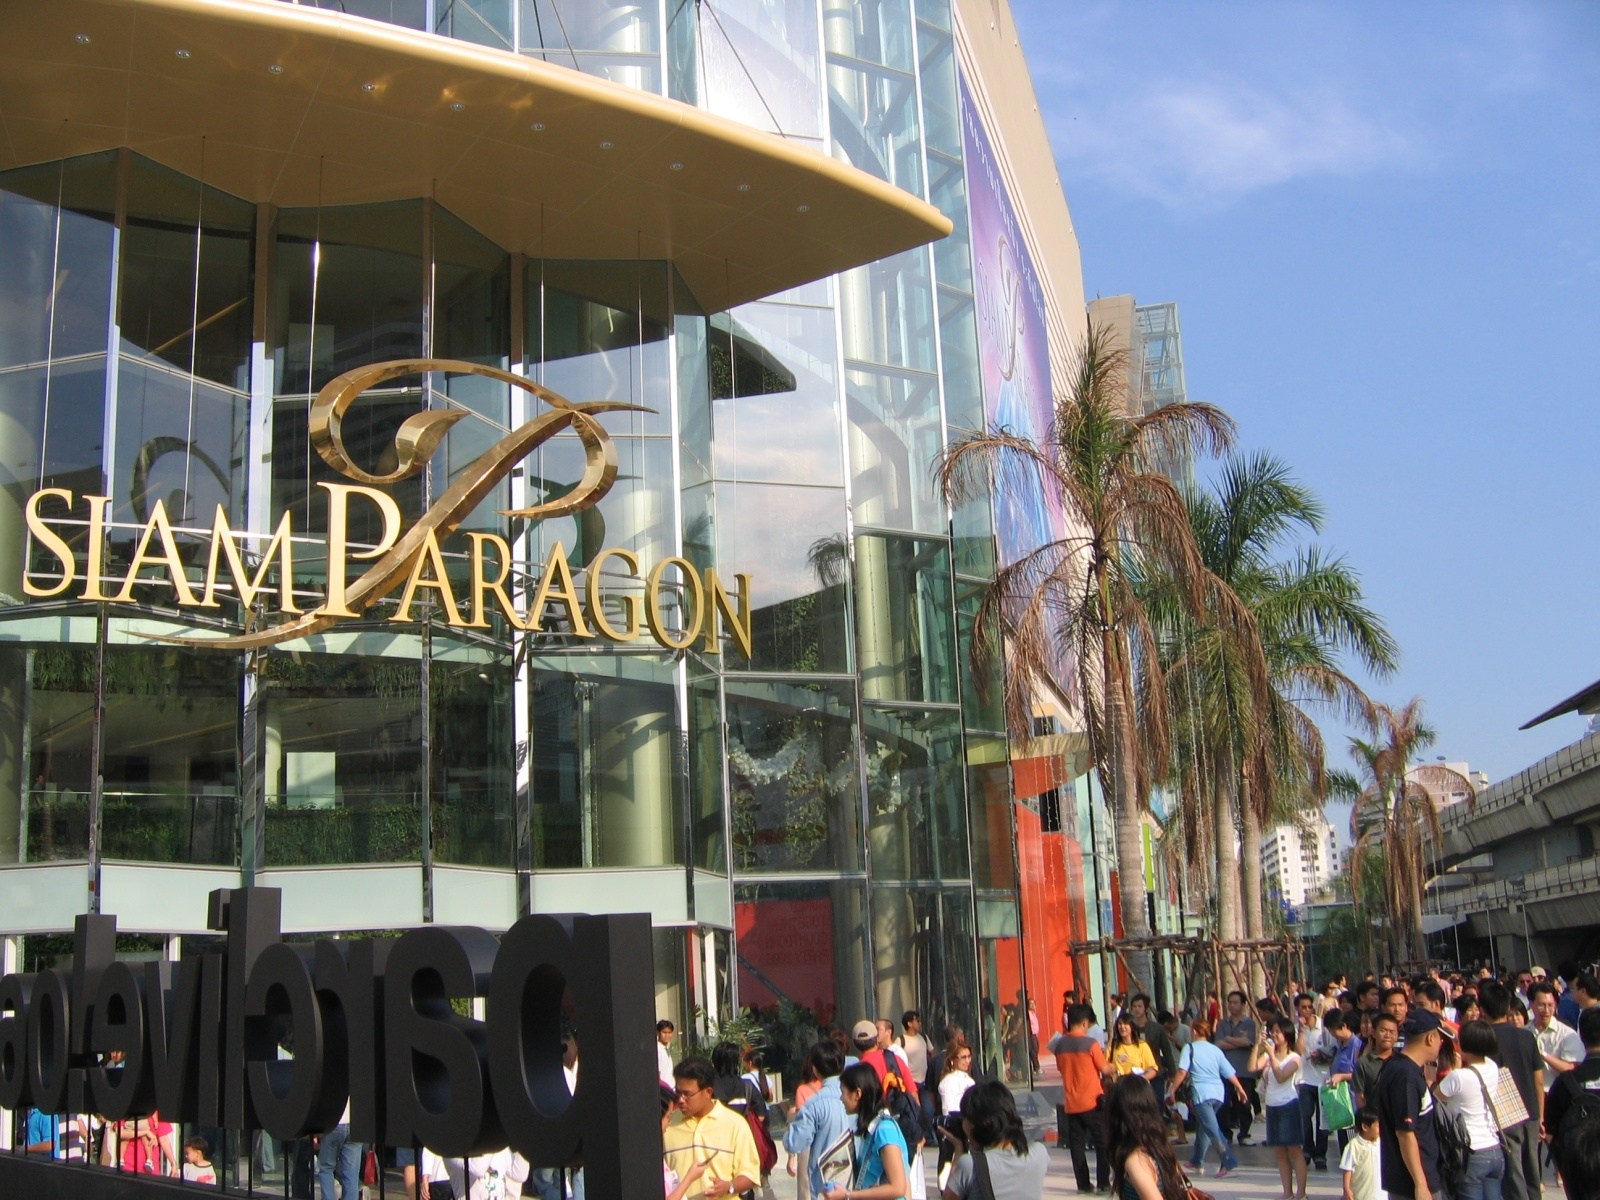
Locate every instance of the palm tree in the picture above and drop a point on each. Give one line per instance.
(1266, 754)
(1069, 612)
(1396, 814)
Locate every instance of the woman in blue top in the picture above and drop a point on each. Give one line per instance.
(881, 1155)
(1206, 1069)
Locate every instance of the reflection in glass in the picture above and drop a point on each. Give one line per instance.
(775, 395)
(802, 958)
(619, 40)
(907, 637)
(486, 22)
(958, 350)
(793, 773)
(471, 321)
(707, 812)
(56, 259)
(342, 754)
(470, 688)
(982, 683)
(413, 14)
(790, 541)
(917, 820)
(922, 942)
(872, 116)
(606, 792)
(185, 276)
(59, 685)
(179, 441)
(636, 514)
(989, 804)
(600, 330)
(760, 64)
(170, 754)
(56, 243)
(347, 291)
(888, 312)
(895, 437)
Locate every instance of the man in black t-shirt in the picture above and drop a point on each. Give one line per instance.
(1410, 1142)
(1519, 1054)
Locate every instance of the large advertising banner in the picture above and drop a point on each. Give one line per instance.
(1013, 350)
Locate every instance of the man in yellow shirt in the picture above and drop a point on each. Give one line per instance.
(712, 1133)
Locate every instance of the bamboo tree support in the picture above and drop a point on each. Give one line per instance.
(1211, 965)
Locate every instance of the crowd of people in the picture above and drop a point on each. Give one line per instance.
(1447, 1086)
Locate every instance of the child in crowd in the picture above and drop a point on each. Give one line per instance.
(197, 1166)
(1360, 1165)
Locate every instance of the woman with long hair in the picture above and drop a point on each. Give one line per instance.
(954, 1083)
(992, 1132)
(1274, 1056)
(1130, 1055)
(881, 1153)
(1143, 1166)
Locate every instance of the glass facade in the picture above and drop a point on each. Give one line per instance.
(838, 799)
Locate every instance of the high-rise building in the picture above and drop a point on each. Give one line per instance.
(469, 459)
(1150, 337)
(1296, 861)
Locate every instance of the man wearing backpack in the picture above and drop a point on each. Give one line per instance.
(1572, 1110)
(1519, 1054)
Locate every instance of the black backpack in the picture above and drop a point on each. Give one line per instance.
(1581, 1120)
(907, 1113)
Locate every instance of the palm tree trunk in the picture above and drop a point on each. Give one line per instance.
(1229, 915)
(1250, 862)
(1124, 791)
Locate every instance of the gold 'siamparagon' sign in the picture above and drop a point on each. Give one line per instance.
(414, 556)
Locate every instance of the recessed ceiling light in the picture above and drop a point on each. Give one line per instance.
(607, 145)
(677, 166)
(369, 87)
(744, 187)
(457, 106)
(81, 38)
(181, 53)
(537, 127)
(275, 69)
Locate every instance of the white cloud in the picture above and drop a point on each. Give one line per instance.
(1205, 143)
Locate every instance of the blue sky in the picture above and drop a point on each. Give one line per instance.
(1381, 223)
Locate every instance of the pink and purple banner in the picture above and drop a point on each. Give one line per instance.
(1013, 348)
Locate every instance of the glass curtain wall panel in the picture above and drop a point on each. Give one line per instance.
(606, 788)
(915, 793)
(47, 737)
(923, 942)
(470, 690)
(793, 775)
(169, 757)
(802, 958)
(185, 304)
(471, 309)
(760, 64)
(341, 751)
(872, 88)
(619, 40)
(57, 247)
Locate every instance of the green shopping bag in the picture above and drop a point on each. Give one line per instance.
(1337, 1110)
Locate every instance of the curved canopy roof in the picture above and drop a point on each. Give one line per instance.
(293, 105)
